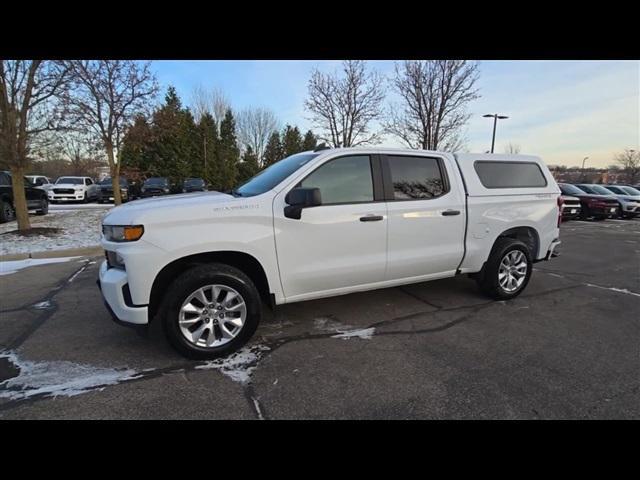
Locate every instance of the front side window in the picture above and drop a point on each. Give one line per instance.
(4, 179)
(415, 178)
(343, 180)
(509, 174)
(630, 190)
(615, 190)
(87, 181)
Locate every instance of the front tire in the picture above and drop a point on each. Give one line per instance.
(7, 212)
(210, 311)
(507, 272)
(44, 207)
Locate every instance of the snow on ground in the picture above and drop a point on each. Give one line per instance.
(343, 331)
(80, 227)
(58, 378)
(7, 268)
(240, 365)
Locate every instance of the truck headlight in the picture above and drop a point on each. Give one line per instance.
(122, 233)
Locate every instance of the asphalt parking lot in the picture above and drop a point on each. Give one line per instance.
(569, 347)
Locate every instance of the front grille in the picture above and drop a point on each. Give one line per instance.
(64, 190)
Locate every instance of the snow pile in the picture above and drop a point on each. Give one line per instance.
(7, 268)
(343, 331)
(238, 366)
(78, 228)
(364, 333)
(58, 378)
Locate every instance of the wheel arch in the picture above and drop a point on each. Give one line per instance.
(241, 260)
(527, 235)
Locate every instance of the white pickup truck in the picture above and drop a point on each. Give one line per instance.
(324, 223)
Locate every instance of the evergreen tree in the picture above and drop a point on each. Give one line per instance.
(136, 145)
(228, 151)
(208, 144)
(310, 141)
(291, 141)
(273, 151)
(248, 167)
(174, 148)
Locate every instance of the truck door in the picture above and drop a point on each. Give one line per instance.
(342, 242)
(426, 208)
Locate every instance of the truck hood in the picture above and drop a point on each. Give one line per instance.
(170, 207)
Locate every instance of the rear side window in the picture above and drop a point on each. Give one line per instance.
(343, 180)
(4, 179)
(415, 178)
(510, 174)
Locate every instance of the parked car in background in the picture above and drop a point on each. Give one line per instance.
(628, 197)
(603, 192)
(592, 205)
(155, 186)
(325, 223)
(194, 185)
(571, 207)
(36, 198)
(40, 181)
(74, 189)
(106, 186)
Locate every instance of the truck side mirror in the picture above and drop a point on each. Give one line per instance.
(300, 198)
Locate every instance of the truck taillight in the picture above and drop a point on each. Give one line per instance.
(560, 203)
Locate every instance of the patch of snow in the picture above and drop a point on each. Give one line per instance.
(42, 305)
(613, 289)
(364, 333)
(58, 378)
(240, 365)
(78, 228)
(343, 330)
(12, 266)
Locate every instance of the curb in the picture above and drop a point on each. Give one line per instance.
(70, 252)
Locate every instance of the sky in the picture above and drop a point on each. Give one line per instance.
(562, 111)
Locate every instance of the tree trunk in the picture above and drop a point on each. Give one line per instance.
(115, 175)
(20, 199)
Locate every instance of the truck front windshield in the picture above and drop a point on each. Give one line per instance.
(273, 175)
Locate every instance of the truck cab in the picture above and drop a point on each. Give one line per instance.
(325, 223)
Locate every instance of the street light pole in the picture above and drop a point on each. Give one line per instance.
(583, 160)
(495, 122)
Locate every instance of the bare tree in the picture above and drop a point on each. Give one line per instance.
(108, 95)
(345, 106)
(32, 94)
(434, 96)
(212, 101)
(629, 160)
(255, 126)
(83, 152)
(512, 148)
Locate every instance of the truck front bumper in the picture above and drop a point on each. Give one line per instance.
(113, 284)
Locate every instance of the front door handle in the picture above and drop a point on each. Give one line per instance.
(372, 218)
(448, 213)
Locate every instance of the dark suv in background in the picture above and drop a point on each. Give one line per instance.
(194, 185)
(106, 186)
(36, 198)
(592, 205)
(155, 186)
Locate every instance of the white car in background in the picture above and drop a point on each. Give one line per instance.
(40, 181)
(67, 189)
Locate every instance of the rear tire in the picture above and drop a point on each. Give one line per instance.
(507, 271)
(178, 325)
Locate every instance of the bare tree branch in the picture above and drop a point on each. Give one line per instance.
(434, 96)
(255, 126)
(344, 107)
(108, 95)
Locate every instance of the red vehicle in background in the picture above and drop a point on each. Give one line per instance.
(592, 206)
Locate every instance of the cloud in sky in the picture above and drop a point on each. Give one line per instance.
(561, 110)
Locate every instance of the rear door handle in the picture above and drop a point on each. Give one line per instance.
(448, 213)
(371, 218)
